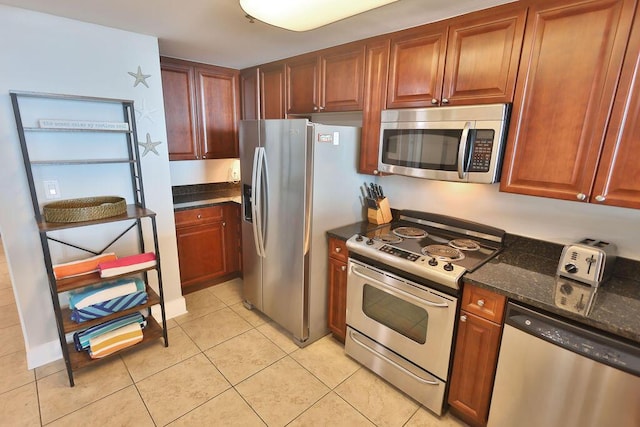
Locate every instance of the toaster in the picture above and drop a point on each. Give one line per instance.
(589, 261)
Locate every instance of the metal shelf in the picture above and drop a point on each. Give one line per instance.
(135, 212)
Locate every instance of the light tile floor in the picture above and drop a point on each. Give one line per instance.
(225, 366)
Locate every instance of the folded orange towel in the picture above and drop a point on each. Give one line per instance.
(83, 266)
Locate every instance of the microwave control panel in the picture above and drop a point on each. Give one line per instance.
(481, 151)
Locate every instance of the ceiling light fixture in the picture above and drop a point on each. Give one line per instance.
(303, 15)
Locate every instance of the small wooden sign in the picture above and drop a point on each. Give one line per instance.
(82, 125)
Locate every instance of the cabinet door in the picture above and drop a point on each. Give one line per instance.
(483, 52)
(272, 91)
(417, 67)
(571, 59)
(342, 78)
(375, 92)
(302, 84)
(178, 85)
(618, 179)
(219, 111)
(233, 245)
(201, 253)
(338, 298)
(474, 366)
(250, 93)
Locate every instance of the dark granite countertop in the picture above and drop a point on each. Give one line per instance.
(525, 271)
(203, 195)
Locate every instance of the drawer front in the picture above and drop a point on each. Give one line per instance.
(338, 249)
(199, 215)
(483, 303)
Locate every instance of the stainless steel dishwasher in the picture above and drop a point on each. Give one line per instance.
(554, 374)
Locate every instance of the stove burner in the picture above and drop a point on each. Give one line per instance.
(465, 244)
(410, 232)
(443, 253)
(388, 238)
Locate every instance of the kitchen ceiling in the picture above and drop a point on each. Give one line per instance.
(217, 31)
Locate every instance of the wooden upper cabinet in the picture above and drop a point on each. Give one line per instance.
(178, 85)
(218, 89)
(417, 66)
(272, 92)
(342, 78)
(618, 178)
(483, 53)
(250, 93)
(472, 59)
(302, 83)
(375, 92)
(329, 80)
(571, 60)
(201, 108)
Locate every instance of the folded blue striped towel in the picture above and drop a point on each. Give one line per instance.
(81, 339)
(104, 292)
(108, 307)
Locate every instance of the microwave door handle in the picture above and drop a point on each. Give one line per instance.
(462, 148)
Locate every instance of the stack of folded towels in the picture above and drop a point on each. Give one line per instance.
(108, 337)
(108, 265)
(101, 300)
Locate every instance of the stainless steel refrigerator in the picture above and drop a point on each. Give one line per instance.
(298, 180)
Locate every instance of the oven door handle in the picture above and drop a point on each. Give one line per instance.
(398, 291)
(386, 359)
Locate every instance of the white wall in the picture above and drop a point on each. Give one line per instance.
(189, 172)
(43, 53)
(537, 217)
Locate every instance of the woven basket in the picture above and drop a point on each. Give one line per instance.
(85, 209)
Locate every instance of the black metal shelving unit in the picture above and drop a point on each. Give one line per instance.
(136, 213)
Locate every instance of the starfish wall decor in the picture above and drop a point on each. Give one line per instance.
(140, 78)
(149, 145)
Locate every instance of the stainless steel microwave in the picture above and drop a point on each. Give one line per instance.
(458, 143)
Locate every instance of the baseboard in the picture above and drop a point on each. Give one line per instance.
(50, 351)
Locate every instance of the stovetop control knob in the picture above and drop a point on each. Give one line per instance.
(359, 238)
(448, 267)
(370, 242)
(433, 262)
(571, 268)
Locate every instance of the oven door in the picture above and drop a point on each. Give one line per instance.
(411, 320)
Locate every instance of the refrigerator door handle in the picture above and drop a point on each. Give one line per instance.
(256, 200)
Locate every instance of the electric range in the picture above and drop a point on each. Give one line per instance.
(437, 248)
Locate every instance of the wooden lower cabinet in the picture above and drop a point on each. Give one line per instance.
(476, 354)
(338, 288)
(208, 245)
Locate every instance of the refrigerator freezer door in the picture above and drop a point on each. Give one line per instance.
(251, 261)
(286, 174)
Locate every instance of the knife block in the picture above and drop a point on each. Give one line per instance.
(381, 215)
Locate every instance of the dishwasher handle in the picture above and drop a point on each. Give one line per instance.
(578, 339)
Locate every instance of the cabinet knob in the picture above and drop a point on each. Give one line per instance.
(343, 268)
(315, 108)
(376, 172)
(600, 198)
(434, 101)
(581, 196)
(224, 224)
(480, 303)
(445, 101)
(338, 250)
(463, 318)
(199, 216)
